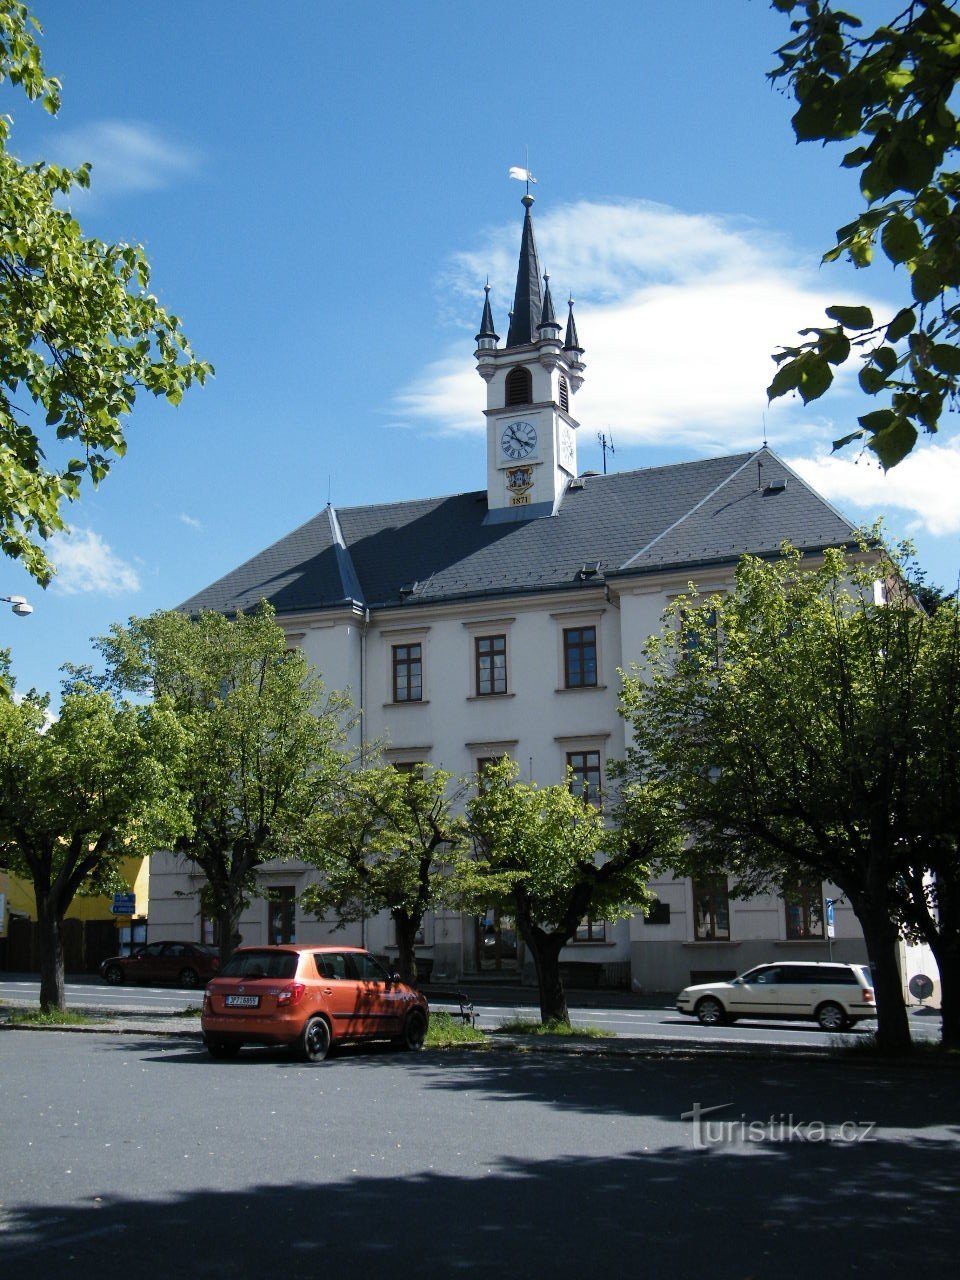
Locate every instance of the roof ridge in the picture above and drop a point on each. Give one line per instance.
(349, 579)
(816, 493)
(687, 514)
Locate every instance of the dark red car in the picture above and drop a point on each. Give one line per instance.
(308, 997)
(185, 964)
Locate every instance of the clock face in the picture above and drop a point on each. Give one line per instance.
(566, 447)
(519, 439)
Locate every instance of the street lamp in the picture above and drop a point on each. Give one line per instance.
(19, 605)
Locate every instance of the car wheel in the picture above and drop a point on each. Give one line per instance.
(414, 1031)
(114, 975)
(314, 1042)
(710, 1012)
(831, 1017)
(189, 978)
(222, 1048)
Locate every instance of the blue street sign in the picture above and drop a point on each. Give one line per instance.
(124, 904)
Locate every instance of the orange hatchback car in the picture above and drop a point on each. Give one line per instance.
(308, 998)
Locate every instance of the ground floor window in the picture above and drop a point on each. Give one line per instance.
(282, 913)
(803, 907)
(590, 930)
(711, 909)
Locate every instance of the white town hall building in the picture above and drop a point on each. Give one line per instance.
(494, 621)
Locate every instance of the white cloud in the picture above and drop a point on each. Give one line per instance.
(191, 521)
(125, 156)
(662, 296)
(85, 563)
(924, 486)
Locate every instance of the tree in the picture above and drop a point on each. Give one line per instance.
(261, 753)
(891, 93)
(550, 853)
(811, 731)
(388, 841)
(81, 336)
(78, 795)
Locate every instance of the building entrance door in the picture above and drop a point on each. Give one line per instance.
(496, 942)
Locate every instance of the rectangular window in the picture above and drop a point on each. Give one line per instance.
(407, 673)
(580, 657)
(590, 930)
(657, 913)
(411, 767)
(803, 907)
(491, 661)
(701, 642)
(282, 916)
(711, 910)
(209, 931)
(585, 768)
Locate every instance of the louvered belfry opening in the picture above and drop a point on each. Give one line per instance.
(519, 387)
(564, 396)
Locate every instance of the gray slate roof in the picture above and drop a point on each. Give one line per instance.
(631, 523)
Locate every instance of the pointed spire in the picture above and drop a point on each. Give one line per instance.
(527, 299)
(571, 342)
(548, 329)
(488, 336)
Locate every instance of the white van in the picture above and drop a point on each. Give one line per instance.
(834, 995)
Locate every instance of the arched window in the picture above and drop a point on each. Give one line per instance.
(564, 395)
(519, 386)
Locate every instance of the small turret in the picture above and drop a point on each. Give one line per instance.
(573, 350)
(548, 330)
(488, 337)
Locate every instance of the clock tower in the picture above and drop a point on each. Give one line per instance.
(531, 435)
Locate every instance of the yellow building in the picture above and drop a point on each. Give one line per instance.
(91, 930)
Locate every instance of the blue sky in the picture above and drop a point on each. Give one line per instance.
(322, 189)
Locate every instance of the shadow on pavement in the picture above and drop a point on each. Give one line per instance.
(779, 1211)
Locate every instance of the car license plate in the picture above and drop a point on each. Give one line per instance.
(241, 1002)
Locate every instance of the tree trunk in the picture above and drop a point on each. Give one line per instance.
(882, 939)
(948, 962)
(406, 946)
(545, 949)
(228, 927)
(52, 995)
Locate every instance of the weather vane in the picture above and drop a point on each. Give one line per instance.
(522, 173)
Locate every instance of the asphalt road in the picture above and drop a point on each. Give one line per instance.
(138, 1157)
(661, 1023)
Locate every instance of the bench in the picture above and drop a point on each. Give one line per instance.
(464, 1009)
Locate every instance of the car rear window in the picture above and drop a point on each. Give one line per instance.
(261, 964)
(840, 975)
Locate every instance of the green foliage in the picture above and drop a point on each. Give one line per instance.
(547, 846)
(77, 795)
(445, 1031)
(550, 856)
(48, 1018)
(80, 335)
(892, 92)
(261, 752)
(387, 840)
(823, 744)
(553, 1027)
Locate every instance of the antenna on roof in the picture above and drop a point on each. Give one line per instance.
(605, 444)
(764, 417)
(329, 489)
